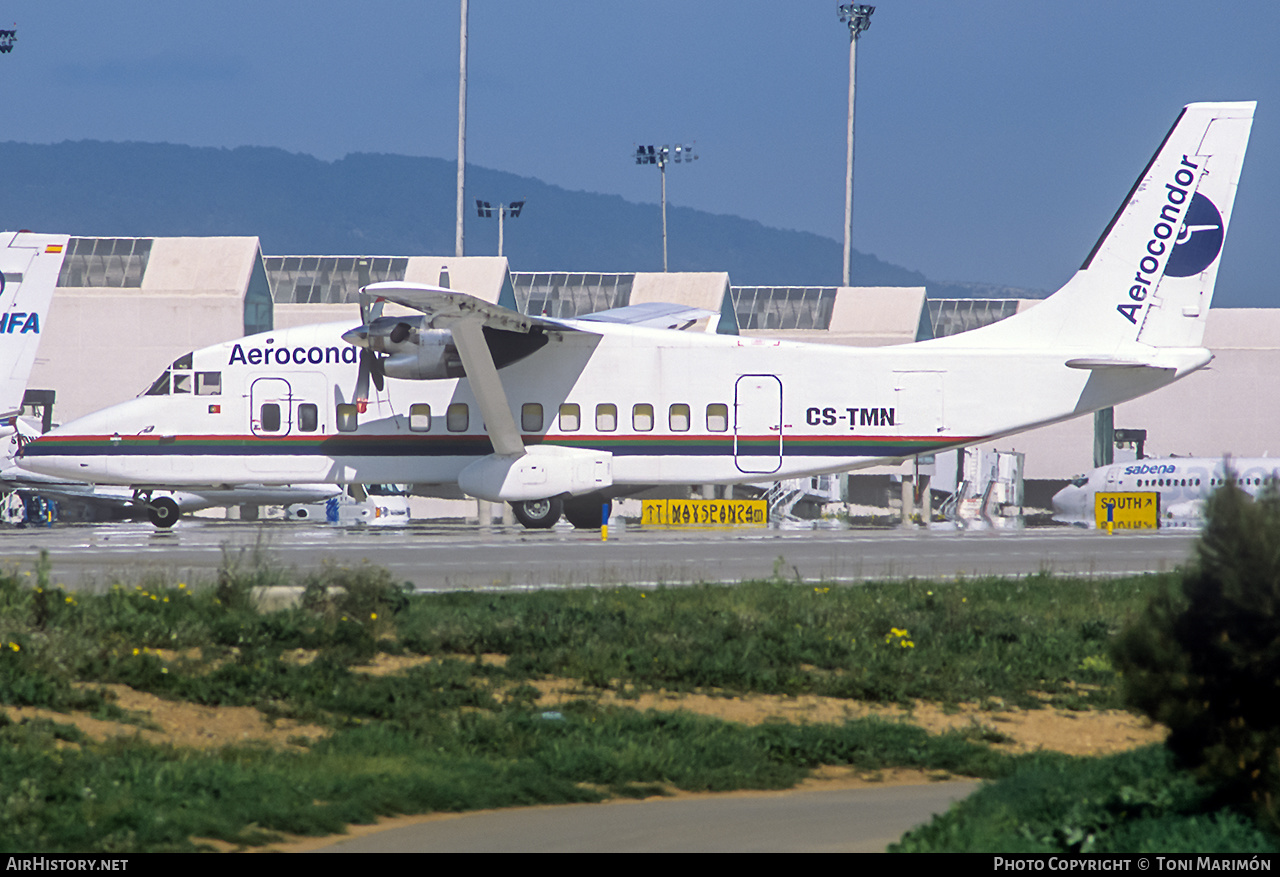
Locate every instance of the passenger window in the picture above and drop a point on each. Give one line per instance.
(208, 383)
(457, 417)
(420, 417)
(606, 417)
(531, 417)
(718, 417)
(348, 417)
(679, 417)
(270, 417)
(570, 417)
(182, 382)
(642, 417)
(308, 417)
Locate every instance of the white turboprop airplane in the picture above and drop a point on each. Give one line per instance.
(1184, 483)
(552, 414)
(29, 268)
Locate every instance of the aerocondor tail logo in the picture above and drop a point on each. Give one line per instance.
(1198, 239)
(293, 355)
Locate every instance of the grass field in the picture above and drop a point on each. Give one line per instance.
(463, 724)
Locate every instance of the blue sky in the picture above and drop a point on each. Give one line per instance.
(995, 139)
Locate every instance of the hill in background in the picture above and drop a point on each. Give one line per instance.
(373, 204)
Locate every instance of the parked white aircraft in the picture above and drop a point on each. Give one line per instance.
(550, 413)
(1184, 483)
(29, 268)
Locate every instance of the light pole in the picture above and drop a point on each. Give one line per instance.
(661, 156)
(858, 17)
(486, 211)
(462, 124)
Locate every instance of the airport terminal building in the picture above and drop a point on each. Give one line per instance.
(125, 308)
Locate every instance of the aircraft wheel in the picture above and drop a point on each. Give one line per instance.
(163, 512)
(588, 513)
(538, 514)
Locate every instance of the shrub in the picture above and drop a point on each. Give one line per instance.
(1204, 659)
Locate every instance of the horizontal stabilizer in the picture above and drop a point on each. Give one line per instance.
(1087, 363)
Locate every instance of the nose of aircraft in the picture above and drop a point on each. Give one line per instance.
(1069, 504)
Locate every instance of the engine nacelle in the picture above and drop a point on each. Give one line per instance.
(415, 352)
(543, 472)
(430, 356)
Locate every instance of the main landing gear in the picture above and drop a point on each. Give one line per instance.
(584, 512)
(538, 514)
(161, 511)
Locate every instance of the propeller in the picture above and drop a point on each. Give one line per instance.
(373, 338)
(370, 363)
(370, 306)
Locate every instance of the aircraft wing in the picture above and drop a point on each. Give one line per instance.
(446, 307)
(466, 316)
(654, 314)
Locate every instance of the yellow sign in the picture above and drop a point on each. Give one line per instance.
(1127, 511)
(705, 512)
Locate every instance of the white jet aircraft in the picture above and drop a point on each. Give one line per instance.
(29, 268)
(1184, 484)
(557, 414)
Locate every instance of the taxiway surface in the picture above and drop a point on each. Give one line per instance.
(437, 557)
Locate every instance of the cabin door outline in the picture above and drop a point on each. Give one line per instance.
(757, 424)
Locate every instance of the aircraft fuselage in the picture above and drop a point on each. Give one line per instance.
(670, 407)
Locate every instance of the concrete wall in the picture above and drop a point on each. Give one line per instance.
(481, 276)
(101, 346)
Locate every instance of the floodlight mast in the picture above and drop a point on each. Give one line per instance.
(8, 38)
(462, 125)
(858, 17)
(486, 211)
(661, 156)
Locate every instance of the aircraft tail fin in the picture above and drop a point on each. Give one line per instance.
(1150, 277)
(29, 268)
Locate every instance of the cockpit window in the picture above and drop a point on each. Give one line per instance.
(160, 387)
(208, 383)
(1080, 481)
(173, 380)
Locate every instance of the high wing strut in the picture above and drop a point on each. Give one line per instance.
(482, 374)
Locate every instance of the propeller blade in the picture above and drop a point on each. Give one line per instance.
(370, 308)
(378, 372)
(362, 377)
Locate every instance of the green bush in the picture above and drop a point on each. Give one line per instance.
(1204, 659)
(1134, 802)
